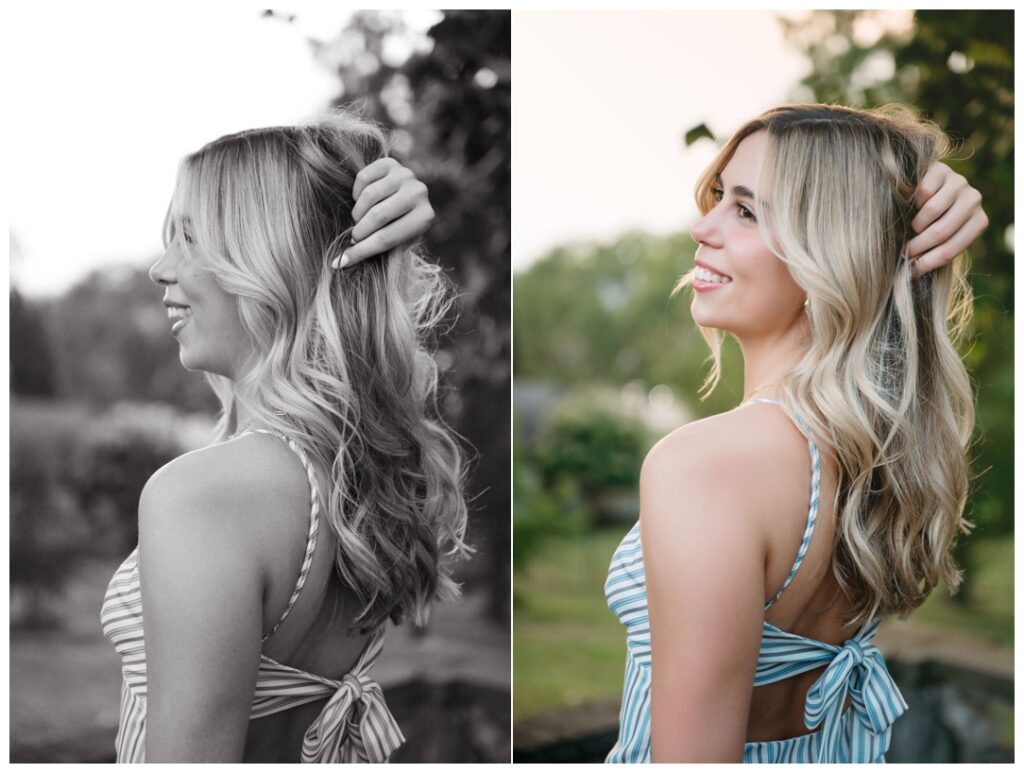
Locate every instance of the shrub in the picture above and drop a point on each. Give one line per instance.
(75, 483)
(590, 440)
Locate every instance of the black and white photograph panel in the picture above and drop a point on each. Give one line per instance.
(260, 384)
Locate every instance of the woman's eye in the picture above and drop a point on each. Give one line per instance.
(186, 236)
(744, 212)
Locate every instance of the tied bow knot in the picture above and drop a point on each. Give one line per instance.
(854, 652)
(354, 726)
(354, 685)
(858, 671)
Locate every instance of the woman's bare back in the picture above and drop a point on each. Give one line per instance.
(318, 636)
(812, 606)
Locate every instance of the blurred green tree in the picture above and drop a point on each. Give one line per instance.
(592, 447)
(540, 510)
(604, 314)
(593, 443)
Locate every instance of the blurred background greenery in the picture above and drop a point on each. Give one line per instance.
(605, 362)
(99, 401)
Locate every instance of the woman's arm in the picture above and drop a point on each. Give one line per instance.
(391, 207)
(704, 559)
(202, 594)
(949, 219)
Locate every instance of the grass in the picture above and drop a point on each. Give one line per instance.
(569, 649)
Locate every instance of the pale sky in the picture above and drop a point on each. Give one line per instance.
(602, 100)
(104, 99)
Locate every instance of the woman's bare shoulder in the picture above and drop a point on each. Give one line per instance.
(733, 461)
(753, 432)
(243, 483)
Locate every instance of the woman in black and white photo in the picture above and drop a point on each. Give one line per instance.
(335, 493)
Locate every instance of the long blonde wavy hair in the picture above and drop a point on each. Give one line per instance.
(881, 387)
(343, 361)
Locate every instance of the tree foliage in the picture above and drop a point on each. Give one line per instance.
(604, 314)
(541, 509)
(31, 357)
(596, 444)
(107, 339)
(76, 477)
(47, 533)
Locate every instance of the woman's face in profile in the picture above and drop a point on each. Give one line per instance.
(739, 285)
(204, 318)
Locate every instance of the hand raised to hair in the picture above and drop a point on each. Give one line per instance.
(391, 207)
(948, 220)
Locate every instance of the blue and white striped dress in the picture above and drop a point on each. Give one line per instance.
(354, 724)
(855, 669)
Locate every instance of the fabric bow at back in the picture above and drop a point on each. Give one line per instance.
(354, 725)
(855, 669)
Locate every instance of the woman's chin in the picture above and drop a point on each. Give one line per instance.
(704, 317)
(190, 360)
(187, 364)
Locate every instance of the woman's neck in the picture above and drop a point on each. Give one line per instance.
(768, 359)
(243, 419)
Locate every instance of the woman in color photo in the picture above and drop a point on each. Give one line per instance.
(775, 536)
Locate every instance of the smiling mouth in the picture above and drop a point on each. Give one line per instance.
(179, 315)
(179, 312)
(703, 274)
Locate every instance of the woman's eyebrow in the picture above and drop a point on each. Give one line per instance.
(739, 191)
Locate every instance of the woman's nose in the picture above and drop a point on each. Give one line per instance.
(699, 230)
(703, 230)
(164, 271)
